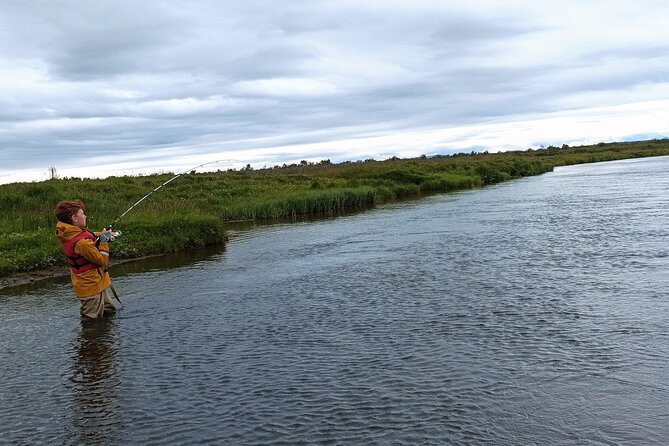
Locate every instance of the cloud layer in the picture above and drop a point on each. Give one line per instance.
(98, 88)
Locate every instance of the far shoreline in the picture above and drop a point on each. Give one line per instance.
(281, 194)
(31, 277)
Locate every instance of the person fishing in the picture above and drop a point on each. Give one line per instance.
(87, 254)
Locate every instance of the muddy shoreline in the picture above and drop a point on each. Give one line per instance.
(26, 278)
(33, 276)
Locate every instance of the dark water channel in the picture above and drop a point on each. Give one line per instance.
(532, 312)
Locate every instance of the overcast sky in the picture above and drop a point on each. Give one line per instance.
(95, 88)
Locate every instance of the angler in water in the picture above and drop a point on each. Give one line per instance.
(88, 255)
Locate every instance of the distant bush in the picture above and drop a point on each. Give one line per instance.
(491, 175)
(449, 182)
(403, 176)
(168, 234)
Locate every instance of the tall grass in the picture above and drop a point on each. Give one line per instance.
(193, 210)
(168, 233)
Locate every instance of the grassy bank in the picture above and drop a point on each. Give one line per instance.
(193, 210)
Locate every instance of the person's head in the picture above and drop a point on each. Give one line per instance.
(71, 212)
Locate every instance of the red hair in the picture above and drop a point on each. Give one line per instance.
(66, 209)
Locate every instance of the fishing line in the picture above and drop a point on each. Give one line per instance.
(159, 187)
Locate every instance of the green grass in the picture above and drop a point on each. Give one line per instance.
(192, 211)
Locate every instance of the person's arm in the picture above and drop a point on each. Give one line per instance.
(96, 254)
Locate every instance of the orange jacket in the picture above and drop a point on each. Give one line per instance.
(93, 281)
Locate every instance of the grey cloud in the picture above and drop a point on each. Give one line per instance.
(83, 40)
(470, 30)
(637, 52)
(270, 62)
(98, 55)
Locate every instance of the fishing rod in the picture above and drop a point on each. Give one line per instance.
(159, 187)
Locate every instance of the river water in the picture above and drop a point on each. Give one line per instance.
(531, 312)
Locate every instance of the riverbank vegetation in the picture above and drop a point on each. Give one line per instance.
(194, 210)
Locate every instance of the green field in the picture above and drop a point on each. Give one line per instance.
(195, 209)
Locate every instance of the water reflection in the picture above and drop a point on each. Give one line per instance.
(94, 382)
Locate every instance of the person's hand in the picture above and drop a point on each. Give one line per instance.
(105, 235)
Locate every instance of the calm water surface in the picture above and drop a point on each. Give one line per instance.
(533, 312)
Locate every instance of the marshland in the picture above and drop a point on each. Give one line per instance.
(195, 210)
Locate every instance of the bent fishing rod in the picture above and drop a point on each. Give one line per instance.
(160, 187)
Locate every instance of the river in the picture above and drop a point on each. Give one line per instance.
(531, 312)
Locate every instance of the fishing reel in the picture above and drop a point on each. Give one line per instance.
(114, 233)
